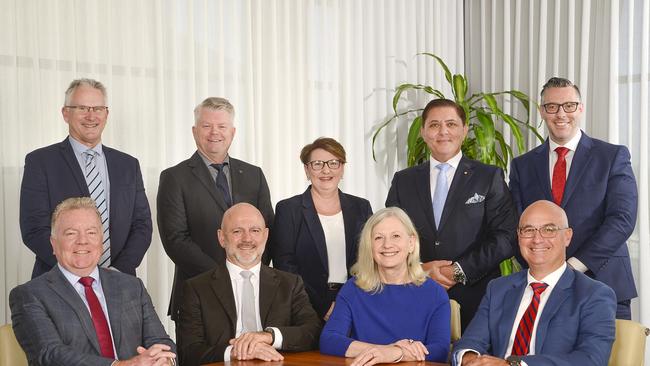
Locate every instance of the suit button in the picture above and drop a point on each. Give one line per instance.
(436, 243)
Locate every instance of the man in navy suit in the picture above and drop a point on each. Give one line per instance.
(592, 181)
(59, 171)
(464, 213)
(550, 314)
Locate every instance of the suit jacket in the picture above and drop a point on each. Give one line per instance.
(600, 200)
(477, 227)
(576, 327)
(208, 317)
(299, 241)
(190, 209)
(52, 174)
(54, 327)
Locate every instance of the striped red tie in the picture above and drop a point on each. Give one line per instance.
(525, 329)
(559, 175)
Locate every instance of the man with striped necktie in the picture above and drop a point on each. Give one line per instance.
(550, 314)
(81, 165)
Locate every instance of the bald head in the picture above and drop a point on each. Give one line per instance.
(546, 207)
(243, 235)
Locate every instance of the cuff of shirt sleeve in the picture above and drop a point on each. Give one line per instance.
(461, 353)
(576, 264)
(226, 354)
(277, 344)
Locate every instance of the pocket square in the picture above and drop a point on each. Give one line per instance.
(476, 198)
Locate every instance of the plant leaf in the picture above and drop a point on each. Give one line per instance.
(442, 63)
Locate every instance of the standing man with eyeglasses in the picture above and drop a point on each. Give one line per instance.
(193, 196)
(592, 181)
(81, 165)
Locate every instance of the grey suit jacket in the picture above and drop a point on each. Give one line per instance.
(190, 209)
(208, 316)
(54, 327)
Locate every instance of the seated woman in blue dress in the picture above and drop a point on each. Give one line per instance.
(390, 311)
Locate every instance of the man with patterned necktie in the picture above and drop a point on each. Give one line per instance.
(592, 181)
(79, 314)
(79, 166)
(550, 314)
(243, 309)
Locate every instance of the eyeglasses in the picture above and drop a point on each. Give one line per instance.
(319, 164)
(569, 107)
(86, 109)
(546, 231)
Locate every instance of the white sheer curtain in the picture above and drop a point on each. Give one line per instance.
(603, 46)
(295, 70)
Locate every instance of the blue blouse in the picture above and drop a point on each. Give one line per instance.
(397, 312)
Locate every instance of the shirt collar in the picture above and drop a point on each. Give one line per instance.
(74, 279)
(235, 270)
(453, 161)
(551, 279)
(571, 145)
(80, 148)
(208, 162)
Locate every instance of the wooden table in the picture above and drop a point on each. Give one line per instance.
(313, 358)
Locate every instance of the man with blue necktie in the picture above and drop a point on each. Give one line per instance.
(550, 314)
(81, 165)
(461, 208)
(592, 181)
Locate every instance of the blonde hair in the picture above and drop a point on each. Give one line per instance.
(73, 203)
(366, 270)
(214, 104)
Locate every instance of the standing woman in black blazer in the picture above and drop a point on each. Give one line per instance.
(315, 234)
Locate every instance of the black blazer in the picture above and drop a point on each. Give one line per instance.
(190, 209)
(52, 174)
(478, 224)
(299, 241)
(208, 317)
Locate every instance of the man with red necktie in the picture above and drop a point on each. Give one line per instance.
(592, 181)
(550, 314)
(79, 314)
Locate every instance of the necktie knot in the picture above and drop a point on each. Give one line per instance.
(538, 287)
(561, 152)
(86, 281)
(443, 167)
(219, 167)
(246, 274)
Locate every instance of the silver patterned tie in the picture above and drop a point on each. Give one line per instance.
(249, 321)
(97, 193)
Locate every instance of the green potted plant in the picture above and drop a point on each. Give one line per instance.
(484, 142)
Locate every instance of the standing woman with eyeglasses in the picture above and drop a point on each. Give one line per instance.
(315, 234)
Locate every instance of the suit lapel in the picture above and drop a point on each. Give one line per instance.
(579, 164)
(514, 293)
(314, 226)
(236, 180)
(558, 296)
(540, 162)
(268, 285)
(349, 218)
(423, 187)
(73, 164)
(202, 173)
(113, 299)
(60, 285)
(457, 189)
(222, 288)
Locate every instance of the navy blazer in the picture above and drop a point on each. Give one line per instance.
(576, 327)
(52, 174)
(54, 327)
(600, 200)
(299, 241)
(477, 227)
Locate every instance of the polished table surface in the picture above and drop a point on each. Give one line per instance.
(313, 358)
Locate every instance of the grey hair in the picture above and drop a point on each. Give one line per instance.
(87, 82)
(73, 203)
(215, 104)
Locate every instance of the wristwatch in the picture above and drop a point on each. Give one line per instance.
(459, 275)
(513, 361)
(270, 330)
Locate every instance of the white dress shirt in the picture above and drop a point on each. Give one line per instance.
(433, 171)
(237, 282)
(572, 145)
(334, 231)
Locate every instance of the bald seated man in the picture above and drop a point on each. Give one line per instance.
(244, 310)
(80, 314)
(550, 314)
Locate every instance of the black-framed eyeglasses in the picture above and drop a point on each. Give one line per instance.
(319, 164)
(546, 231)
(569, 107)
(87, 109)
